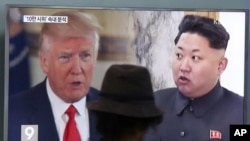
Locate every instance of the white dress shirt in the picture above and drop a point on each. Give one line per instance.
(59, 107)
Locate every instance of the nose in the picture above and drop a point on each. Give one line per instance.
(185, 65)
(76, 66)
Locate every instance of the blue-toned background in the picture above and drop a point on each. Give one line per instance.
(199, 4)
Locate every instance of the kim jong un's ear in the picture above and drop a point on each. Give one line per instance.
(222, 65)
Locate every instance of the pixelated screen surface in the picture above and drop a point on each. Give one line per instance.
(132, 36)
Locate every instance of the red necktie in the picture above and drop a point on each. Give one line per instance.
(71, 133)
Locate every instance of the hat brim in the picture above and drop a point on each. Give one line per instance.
(141, 110)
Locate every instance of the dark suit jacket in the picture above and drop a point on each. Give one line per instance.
(182, 122)
(33, 107)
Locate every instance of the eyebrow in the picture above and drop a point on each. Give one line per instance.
(194, 50)
(65, 52)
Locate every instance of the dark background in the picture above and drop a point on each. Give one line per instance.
(164, 4)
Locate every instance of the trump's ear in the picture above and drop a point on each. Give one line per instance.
(222, 65)
(43, 61)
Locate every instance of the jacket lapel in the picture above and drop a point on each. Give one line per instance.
(42, 115)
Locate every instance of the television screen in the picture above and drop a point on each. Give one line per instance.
(139, 36)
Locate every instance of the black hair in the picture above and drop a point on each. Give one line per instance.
(209, 28)
(113, 127)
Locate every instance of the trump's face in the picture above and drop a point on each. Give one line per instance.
(197, 67)
(69, 65)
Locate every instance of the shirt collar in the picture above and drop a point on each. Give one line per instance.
(200, 105)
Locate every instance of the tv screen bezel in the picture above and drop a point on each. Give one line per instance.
(247, 47)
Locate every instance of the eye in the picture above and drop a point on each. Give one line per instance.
(85, 55)
(196, 58)
(64, 58)
(178, 56)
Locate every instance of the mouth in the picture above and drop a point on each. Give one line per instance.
(76, 84)
(183, 80)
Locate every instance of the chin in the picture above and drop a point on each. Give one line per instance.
(75, 99)
(185, 91)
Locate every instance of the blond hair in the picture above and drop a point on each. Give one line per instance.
(79, 24)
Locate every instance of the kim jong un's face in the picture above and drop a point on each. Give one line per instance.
(196, 66)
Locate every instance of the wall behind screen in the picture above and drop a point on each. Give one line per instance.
(202, 4)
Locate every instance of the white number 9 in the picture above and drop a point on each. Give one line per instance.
(29, 132)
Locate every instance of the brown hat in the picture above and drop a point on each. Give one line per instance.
(126, 90)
